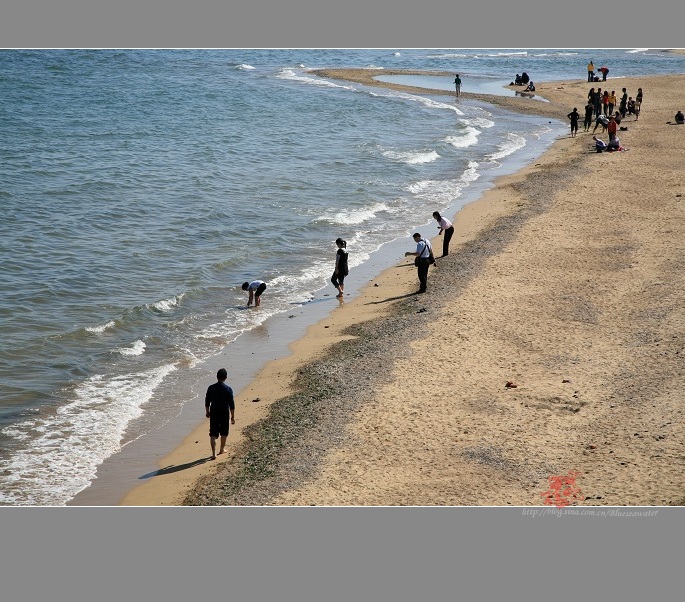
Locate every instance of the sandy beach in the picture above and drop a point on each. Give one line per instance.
(564, 281)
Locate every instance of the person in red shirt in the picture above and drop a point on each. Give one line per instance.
(604, 72)
(611, 128)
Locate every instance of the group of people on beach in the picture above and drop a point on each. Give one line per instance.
(423, 253)
(600, 107)
(219, 398)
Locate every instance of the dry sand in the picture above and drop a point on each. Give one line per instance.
(565, 279)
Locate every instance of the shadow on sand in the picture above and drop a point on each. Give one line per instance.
(174, 468)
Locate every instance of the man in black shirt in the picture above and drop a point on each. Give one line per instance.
(219, 403)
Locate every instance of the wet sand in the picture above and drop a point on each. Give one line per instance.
(565, 280)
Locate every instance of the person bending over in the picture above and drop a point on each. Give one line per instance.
(445, 226)
(255, 290)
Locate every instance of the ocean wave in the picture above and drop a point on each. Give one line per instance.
(636, 50)
(100, 329)
(291, 75)
(411, 157)
(555, 54)
(449, 55)
(62, 451)
(244, 67)
(437, 192)
(349, 217)
(137, 348)
(480, 122)
(513, 143)
(165, 304)
(468, 138)
(470, 173)
(432, 104)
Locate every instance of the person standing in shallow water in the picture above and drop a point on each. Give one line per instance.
(254, 290)
(219, 407)
(457, 84)
(341, 267)
(445, 226)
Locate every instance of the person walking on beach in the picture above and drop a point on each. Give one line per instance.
(341, 269)
(255, 290)
(589, 109)
(424, 254)
(457, 84)
(445, 226)
(219, 406)
(574, 116)
(590, 71)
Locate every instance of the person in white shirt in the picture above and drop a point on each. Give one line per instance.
(445, 226)
(255, 290)
(423, 255)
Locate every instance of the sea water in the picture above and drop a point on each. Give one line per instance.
(140, 188)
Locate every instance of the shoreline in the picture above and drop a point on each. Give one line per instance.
(380, 328)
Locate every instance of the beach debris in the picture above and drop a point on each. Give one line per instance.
(510, 384)
(420, 311)
(291, 316)
(376, 284)
(256, 399)
(566, 380)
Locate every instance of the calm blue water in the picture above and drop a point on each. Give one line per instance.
(140, 188)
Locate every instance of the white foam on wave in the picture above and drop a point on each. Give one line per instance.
(165, 304)
(432, 104)
(60, 453)
(436, 192)
(411, 157)
(396, 54)
(349, 217)
(480, 122)
(100, 329)
(444, 191)
(449, 55)
(471, 173)
(468, 138)
(137, 348)
(512, 143)
(555, 54)
(245, 67)
(507, 54)
(291, 75)
(635, 50)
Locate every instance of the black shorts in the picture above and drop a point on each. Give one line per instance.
(218, 424)
(260, 289)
